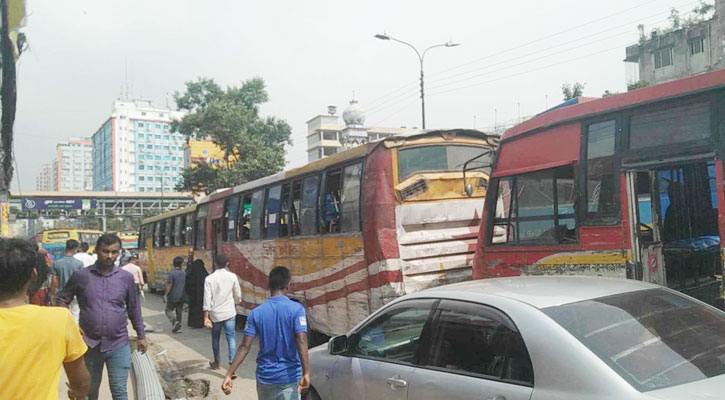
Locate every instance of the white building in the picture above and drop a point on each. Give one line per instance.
(135, 149)
(326, 135)
(45, 180)
(73, 169)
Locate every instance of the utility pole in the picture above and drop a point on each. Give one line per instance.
(421, 57)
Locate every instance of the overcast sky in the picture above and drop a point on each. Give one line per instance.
(317, 53)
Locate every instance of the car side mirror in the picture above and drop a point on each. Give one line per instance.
(337, 345)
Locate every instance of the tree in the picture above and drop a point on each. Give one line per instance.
(253, 146)
(674, 18)
(608, 93)
(572, 91)
(637, 85)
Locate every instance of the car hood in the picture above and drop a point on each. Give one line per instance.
(706, 389)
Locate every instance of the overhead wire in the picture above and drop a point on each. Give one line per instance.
(432, 91)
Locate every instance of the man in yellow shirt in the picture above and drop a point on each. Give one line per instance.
(35, 341)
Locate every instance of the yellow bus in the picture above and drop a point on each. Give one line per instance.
(161, 239)
(53, 240)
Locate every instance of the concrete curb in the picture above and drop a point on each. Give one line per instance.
(147, 383)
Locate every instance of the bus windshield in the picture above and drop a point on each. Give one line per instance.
(439, 158)
(652, 338)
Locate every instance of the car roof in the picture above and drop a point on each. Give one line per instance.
(541, 291)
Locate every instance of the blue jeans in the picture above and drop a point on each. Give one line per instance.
(118, 363)
(277, 392)
(229, 331)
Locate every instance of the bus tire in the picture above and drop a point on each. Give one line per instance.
(152, 289)
(311, 394)
(240, 323)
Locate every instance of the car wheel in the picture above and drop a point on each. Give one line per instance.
(311, 395)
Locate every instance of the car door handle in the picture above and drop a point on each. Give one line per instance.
(497, 397)
(396, 382)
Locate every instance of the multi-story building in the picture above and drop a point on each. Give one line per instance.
(45, 180)
(680, 53)
(74, 165)
(327, 136)
(202, 151)
(135, 149)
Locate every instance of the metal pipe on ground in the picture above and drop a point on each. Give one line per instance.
(147, 383)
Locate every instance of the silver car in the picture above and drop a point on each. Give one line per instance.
(538, 338)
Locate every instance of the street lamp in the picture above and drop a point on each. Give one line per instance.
(420, 58)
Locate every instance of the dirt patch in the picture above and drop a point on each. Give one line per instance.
(174, 378)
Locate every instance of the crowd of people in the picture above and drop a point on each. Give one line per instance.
(73, 311)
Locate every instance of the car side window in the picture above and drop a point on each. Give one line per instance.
(476, 339)
(395, 335)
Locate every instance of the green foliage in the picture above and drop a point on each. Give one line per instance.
(253, 146)
(608, 93)
(674, 18)
(572, 91)
(637, 85)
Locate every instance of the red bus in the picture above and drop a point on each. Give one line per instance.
(626, 186)
(357, 229)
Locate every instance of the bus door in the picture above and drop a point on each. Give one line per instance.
(647, 247)
(216, 235)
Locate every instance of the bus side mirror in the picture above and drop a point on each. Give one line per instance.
(469, 190)
(337, 345)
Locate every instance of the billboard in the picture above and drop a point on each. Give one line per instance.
(54, 203)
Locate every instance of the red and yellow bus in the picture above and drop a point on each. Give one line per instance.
(357, 229)
(625, 186)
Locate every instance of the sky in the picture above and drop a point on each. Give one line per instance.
(512, 61)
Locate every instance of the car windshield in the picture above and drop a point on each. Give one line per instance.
(653, 338)
(440, 158)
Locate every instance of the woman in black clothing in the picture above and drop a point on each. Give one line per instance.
(195, 290)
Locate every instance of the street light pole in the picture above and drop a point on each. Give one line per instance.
(421, 57)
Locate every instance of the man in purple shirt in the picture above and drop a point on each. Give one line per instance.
(107, 296)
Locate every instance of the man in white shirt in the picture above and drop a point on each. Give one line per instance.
(136, 271)
(84, 257)
(221, 293)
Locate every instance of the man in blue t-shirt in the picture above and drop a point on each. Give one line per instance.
(283, 367)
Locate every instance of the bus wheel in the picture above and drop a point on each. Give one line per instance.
(152, 289)
(240, 322)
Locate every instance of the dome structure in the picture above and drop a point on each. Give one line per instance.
(354, 115)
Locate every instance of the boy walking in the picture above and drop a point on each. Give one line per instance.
(283, 368)
(175, 293)
(62, 270)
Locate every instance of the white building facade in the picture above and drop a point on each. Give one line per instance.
(135, 149)
(74, 166)
(326, 135)
(45, 180)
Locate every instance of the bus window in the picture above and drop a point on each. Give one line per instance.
(308, 213)
(157, 234)
(351, 198)
(669, 126)
(88, 237)
(296, 208)
(142, 237)
(602, 204)
(272, 212)
(200, 225)
(166, 232)
(189, 229)
(178, 229)
(245, 212)
(232, 219)
(284, 211)
(257, 215)
(536, 208)
(437, 158)
(331, 202)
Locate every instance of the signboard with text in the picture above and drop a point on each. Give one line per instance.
(51, 203)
